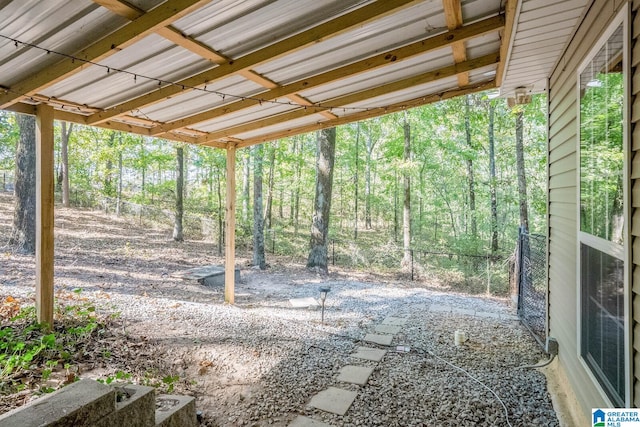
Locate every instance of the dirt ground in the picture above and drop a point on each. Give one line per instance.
(119, 260)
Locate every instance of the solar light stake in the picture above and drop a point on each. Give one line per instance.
(323, 296)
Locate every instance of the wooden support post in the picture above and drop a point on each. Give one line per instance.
(230, 238)
(44, 214)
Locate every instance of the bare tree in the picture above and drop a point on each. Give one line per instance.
(406, 217)
(326, 150)
(469, 160)
(492, 179)
(258, 218)
(65, 133)
(178, 234)
(522, 181)
(23, 234)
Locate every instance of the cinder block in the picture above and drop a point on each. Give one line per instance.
(176, 411)
(135, 407)
(81, 404)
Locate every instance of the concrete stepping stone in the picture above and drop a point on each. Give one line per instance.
(334, 400)
(302, 421)
(366, 353)
(394, 321)
(388, 329)
(379, 339)
(355, 374)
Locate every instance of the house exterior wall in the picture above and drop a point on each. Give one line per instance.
(635, 199)
(562, 199)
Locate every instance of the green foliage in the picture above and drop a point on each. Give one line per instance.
(30, 352)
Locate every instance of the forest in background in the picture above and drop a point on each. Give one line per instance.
(462, 169)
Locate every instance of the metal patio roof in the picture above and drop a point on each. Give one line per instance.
(215, 72)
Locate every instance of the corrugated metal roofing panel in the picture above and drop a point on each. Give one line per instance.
(412, 24)
(104, 87)
(370, 80)
(195, 101)
(250, 114)
(304, 121)
(53, 25)
(236, 28)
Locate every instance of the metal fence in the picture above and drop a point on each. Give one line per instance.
(531, 279)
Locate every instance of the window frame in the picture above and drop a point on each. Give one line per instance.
(622, 18)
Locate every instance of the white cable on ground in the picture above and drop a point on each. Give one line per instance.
(504, 407)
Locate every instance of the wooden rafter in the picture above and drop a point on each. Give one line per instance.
(392, 56)
(449, 71)
(159, 17)
(453, 17)
(363, 115)
(291, 44)
(506, 36)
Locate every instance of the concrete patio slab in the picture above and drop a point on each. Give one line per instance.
(394, 321)
(302, 421)
(387, 329)
(379, 339)
(303, 302)
(334, 400)
(366, 353)
(355, 374)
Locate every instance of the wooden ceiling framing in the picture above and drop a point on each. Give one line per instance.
(25, 94)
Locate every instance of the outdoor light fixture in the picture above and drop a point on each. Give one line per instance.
(323, 296)
(521, 96)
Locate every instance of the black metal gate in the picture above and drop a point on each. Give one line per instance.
(531, 274)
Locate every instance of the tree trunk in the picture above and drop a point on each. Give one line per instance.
(178, 235)
(395, 208)
(270, 183)
(108, 189)
(492, 180)
(119, 193)
(470, 177)
(23, 234)
(322, 206)
(296, 198)
(220, 214)
(355, 181)
(245, 188)
(258, 218)
(367, 182)
(64, 154)
(406, 217)
(522, 181)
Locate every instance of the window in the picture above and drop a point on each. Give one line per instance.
(602, 237)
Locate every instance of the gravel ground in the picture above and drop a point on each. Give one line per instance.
(260, 361)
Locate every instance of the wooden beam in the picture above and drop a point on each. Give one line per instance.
(334, 27)
(159, 17)
(44, 214)
(380, 60)
(510, 11)
(453, 17)
(416, 102)
(230, 234)
(336, 103)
